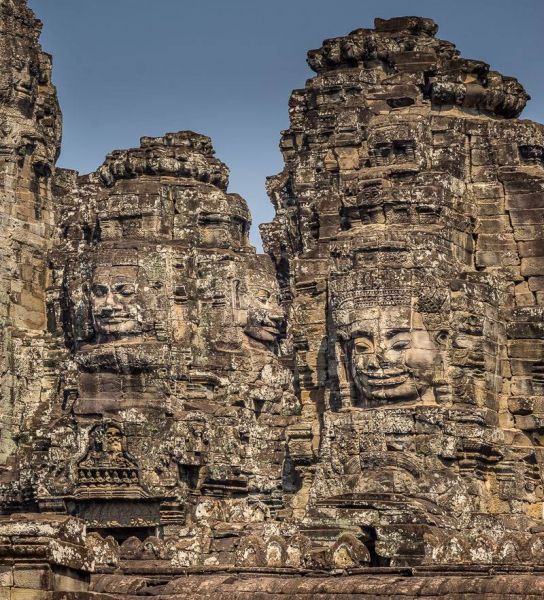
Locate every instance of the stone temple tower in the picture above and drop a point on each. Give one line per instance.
(30, 124)
(407, 240)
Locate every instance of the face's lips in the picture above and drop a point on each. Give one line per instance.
(263, 333)
(270, 329)
(116, 318)
(23, 90)
(390, 382)
(385, 378)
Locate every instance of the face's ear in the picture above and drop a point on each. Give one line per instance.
(343, 336)
(441, 337)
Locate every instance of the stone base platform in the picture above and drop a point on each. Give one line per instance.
(388, 584)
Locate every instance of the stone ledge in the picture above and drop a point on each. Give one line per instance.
(234, 587)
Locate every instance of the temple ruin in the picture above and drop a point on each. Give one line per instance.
(357, 413)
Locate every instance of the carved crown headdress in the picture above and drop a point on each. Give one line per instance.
(386, 287)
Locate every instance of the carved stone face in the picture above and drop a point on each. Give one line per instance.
(264, 314)
(25, 80)
(113, 441)
(19, 79)
(218, 230)
(114, 302)
(392, 357)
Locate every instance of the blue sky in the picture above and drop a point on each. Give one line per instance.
(225, 68)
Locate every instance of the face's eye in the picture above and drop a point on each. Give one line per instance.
(125, 289)
(401, 345)
(99, 290)
(442, 337)
(212, 220)
(462, 341)
(263, 296)
(363, 346)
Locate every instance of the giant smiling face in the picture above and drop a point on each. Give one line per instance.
(115, 301)
(392, 356)
(265, 316)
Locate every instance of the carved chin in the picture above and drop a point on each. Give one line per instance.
(262, 334)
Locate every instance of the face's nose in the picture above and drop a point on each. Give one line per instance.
(376, 359)
(373, 361)
(110, 304)
(275, 316)
(110, 298)
(106, 310)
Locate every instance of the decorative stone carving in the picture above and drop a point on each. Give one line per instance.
(276, 552)
(160, 311)
(30, 128)
(349, 552)
(251, 552)
(114, 307)
(107, 469)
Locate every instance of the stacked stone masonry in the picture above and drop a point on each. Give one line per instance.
(357, 413)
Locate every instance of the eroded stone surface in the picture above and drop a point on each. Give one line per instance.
(30, 128)
(363, 401)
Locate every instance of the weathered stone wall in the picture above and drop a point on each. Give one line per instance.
(43, 557)
(30, 128)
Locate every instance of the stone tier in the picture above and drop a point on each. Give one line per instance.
(183, 154)
(405, 48)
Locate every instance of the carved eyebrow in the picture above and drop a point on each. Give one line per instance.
(393, 332)
(358, 334)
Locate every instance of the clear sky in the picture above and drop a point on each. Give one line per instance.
(225, 68)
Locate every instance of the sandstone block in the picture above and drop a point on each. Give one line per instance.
(532, 266)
